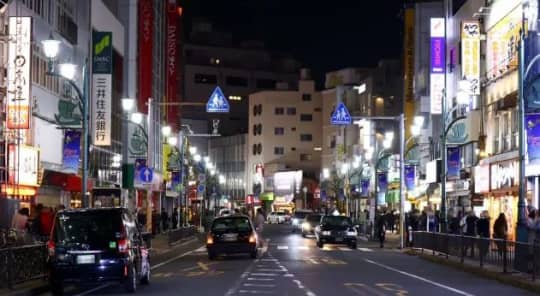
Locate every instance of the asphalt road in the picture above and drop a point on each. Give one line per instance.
(292, 265)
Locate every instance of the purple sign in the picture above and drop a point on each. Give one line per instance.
(532, 122)
(410, 177)
(438, 55)
(72, 150)
(454, 163)
(364, 184)
(383, 182)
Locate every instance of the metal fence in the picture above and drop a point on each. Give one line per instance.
(178, 234)
(504, 255)
(20, 264)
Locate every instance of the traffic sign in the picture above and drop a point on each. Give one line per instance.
(341, 115)
(217, 103)
(201, 188)
(147, 174)
(202, 177)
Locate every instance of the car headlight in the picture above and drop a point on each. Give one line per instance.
(306, 226)
(294, 221)
(351, 233)
(326, 232)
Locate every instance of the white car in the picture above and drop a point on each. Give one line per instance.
(277, 217)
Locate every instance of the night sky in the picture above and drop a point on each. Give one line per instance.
(322, 35)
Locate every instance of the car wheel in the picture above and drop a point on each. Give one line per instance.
(353, 246)
(254, 254)
(145, 278)
(130, 283)
(211, 256)
(57, 287)
(320, 244)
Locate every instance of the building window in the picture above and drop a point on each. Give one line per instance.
(306, 117)
(515, 129)
(257, 110)
(236, 81)
(279, 111)
(65, 23)
(306, 137)
(279, 131)
(306, 97)
(293, 129)
(279, 150)
(259, 148)
(206, 78)
(293, 148)
(266, 83)
(496, 148)
(254, 149)
(291, 111)
(317, 109)
(305, 157)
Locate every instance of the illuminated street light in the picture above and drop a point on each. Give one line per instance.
(172, 141)
(128, 104)
(192, 150)
(166, 130)
(137, 117)
(67, 70)
(326, 173)
(197, 157)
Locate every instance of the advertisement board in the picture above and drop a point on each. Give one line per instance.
(23, 165)
(146, 40)
(101, 88)
(501, 47)
(437, 64)
(470, 55)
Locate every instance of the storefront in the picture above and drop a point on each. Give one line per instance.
(458, 194)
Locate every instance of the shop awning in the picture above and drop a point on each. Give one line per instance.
(67, 182)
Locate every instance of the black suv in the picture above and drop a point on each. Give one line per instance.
(336, 230)
(97, 245)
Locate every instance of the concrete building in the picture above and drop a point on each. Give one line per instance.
(285, 132)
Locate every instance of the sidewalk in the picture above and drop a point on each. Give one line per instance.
(160, 251)
(391, 241)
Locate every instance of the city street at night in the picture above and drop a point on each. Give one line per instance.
(292, 265)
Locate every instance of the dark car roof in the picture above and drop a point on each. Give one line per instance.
(90, 210)
(232, 216)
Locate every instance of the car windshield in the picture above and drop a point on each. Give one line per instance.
(97, 229)
(313, 218)
(231, 224)
(300, 215)
(337, 221)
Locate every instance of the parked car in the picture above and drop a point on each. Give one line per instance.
(310, 223)
(225, 212)
(231, 235)
(336, 230)
(298, 218)
(277, 217)
(97, 245)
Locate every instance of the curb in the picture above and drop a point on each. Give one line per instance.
(505, 278)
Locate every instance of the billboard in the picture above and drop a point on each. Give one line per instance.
(438, 63)
(101, 88)
(18, 73)
(146, 39)
(286, 184)
(501, 47)
(453, 163)
(470, 55)
(172, 62)
(23, 165)
(408, 55)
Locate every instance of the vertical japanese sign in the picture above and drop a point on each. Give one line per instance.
(408, 59)
(172, 62)
(146, 32)
(410, 177)
(18, 90)
(470, 55)
(72, 150)
(23, 164)
(101, 87)
(438, 64)
(454, 163)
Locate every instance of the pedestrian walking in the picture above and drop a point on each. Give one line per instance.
(259, 225)
(380, 228)
(470, 231)
(164, 220)
(500, 231)
(390, 221)
(482, 225)
(20, 224)
(174, 218)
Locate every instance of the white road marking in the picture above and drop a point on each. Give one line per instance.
(282, 247)
(93, 290)
(201, 250)
(263, 274)
(260, 279)
(420, 278)
(365, 250)
(269, 260)
(254, 292)
(271, 269)
(344, 249)
(303, 248)
(260, 285)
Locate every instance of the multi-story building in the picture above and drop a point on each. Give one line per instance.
(285, 133)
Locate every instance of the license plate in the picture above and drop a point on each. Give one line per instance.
(86, 259)
(230, 237)
(339, 239)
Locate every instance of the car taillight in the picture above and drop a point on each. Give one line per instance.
(252, 238)
(209, 239)
(51, 248)
(123, 246)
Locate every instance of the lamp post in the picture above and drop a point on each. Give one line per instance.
(51, 48)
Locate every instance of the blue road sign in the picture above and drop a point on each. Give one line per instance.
(201, 188)
(147, 174)
(341, 115)
(217, 103)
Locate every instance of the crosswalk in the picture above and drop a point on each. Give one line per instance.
(326, 248)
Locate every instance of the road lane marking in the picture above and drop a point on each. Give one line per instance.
(420, 278)
(303, 248)
(263, 274)
(202, 266)
(260, 279)
(255, 292)
(260, 285)
(313, 261)
(269, 260)
(282, 247)
(365, 250)
(359, 287)
(345, 249)
(271, 269)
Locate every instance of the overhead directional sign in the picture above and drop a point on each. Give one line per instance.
(217, 103)
(147, 174)
(341, 115)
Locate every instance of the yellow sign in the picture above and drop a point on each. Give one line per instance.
(470, 55)
(167, 149)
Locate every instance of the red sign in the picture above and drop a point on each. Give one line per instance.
(249, 199)
(146, 38)
(172, 63)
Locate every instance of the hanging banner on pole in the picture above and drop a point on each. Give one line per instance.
(146, 41)
(72, 151)
(364, 185)
(532, 122)
(18, 73)
(410, 177)
(454, 163)
(470, 55)
(101, 88)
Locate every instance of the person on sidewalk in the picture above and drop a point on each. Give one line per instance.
(500, 231)
(482, 225)
(380, 229)
(471, 231)
(391, 222)
(164, 220)
(174, 218)
(259, 225)
(20, 224)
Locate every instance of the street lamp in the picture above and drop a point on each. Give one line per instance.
(51, 48)
(192, 150)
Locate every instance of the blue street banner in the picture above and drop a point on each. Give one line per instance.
(532, 122)
(383, 182)
(453, 163)
(410, 177)
(364, 185)
(72, 150)
(323, 195)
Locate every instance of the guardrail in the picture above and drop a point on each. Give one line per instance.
(22, 263)
(183, 232)
(498, 253)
